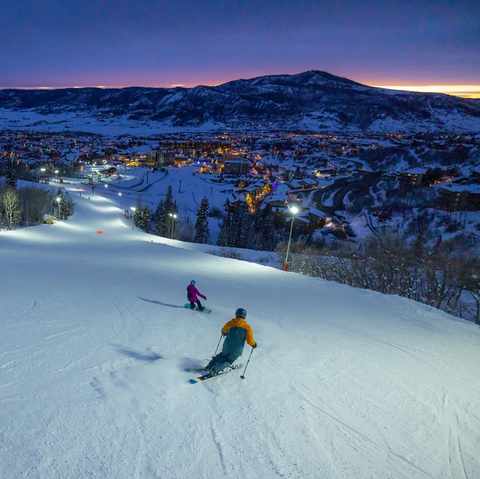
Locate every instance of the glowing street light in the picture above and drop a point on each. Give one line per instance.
(294, 211)
(58, 202)
(173, 216)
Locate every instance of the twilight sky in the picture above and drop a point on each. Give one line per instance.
(116, 43)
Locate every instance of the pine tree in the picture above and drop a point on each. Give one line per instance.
(238, 227)
(225, 236)
(202, 231)
(11, 175)
(145, 218)
(66, 206)
(170, 206)
(137, 216)
(268, 239)
(164, 209)
(160, 220)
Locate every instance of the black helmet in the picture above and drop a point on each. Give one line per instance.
(240, 313)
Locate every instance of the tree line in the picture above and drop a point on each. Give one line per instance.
(238, 227)
(165, 223)
(27, 206)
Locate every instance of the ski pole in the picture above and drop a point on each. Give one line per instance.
(221, 335)
(243, 375)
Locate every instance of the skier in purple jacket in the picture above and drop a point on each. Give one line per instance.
(192, 294)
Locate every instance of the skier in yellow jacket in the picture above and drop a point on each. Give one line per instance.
(236, 332)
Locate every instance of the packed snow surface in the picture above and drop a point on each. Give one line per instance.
(345, 383)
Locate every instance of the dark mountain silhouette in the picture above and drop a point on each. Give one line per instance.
(311, 100)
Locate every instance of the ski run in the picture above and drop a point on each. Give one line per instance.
(95, 340)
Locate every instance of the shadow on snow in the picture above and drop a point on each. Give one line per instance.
(161, 304)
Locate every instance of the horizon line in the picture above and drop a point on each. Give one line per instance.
(463, 91)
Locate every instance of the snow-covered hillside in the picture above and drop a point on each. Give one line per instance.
(345, 383)
(312, 100)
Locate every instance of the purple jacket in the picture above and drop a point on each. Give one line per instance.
(192, 293)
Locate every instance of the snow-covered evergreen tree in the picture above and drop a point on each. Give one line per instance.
(202, 231)
(145, 218)
(160, 220)
(138, 215)
(238, 227)
(164, 209)
(66, 206)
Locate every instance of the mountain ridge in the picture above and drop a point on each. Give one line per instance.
(313, 100)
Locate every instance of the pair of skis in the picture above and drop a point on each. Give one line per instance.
(207, 376)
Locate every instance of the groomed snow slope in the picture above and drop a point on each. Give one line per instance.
(345, 383)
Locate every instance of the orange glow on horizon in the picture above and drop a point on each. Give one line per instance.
(464, 91)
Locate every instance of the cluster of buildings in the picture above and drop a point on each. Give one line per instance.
(259, 163)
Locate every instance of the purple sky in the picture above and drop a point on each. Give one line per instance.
(116, 43)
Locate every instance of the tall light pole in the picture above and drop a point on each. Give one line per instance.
(294, 211)
(173, 216)
(58, 201)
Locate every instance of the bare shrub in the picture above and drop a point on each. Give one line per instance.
(34, 202)
(444, 277)
(11, 210)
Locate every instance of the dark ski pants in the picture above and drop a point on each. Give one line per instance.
(221, 361)
(199, 304)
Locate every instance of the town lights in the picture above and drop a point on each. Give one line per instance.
(294, 211)
(173, 216)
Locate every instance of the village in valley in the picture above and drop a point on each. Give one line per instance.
(335, 180)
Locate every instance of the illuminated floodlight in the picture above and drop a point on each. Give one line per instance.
(173, 216)
(294, 211)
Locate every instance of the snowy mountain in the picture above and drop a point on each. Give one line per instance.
(345, 383)
(311, 100)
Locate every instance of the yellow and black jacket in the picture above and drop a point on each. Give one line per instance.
(237, 331)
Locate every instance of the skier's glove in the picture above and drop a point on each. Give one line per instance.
(255, 346)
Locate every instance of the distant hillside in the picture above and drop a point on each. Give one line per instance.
(311, 100)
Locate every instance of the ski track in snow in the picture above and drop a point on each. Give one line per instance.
(345, 383)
